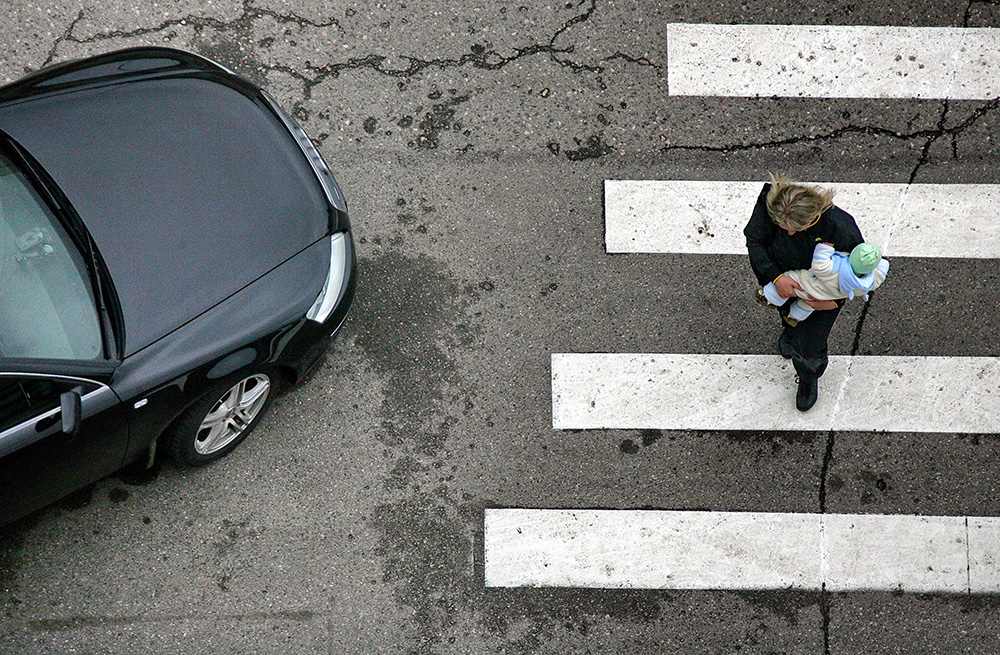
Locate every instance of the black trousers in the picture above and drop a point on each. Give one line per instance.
(808, 343)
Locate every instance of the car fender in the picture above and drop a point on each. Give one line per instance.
(251, 329)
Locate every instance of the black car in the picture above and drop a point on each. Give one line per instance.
(173, 249)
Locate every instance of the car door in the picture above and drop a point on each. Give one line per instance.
(58, 433)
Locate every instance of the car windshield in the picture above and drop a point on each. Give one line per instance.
(47, 308)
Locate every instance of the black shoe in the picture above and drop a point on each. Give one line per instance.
(807, 394)
(784, 347)
(785, 312)
(759, 296)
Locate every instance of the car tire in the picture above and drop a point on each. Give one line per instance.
(214, 425)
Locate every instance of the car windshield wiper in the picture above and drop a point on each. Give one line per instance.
(107, 331)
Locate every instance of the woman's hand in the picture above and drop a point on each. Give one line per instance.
(786, 286)
(821, 304)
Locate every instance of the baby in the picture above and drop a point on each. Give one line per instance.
(834, 275)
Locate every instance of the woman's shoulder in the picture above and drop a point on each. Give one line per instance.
(761, 202)
(838, 213)
(842, 226)
(837, 218)
(760, 227)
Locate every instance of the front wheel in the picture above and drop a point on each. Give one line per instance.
(220, 420)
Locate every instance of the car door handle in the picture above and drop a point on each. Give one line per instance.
(43, 424)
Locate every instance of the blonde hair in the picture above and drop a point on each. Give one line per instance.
(796, 206)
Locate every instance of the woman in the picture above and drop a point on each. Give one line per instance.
(788, 221)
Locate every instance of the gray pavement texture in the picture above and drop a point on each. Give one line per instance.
(472, 140)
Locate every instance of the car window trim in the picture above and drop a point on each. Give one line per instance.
(66, 368)
(69, 379)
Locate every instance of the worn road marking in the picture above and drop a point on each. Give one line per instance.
(757, 392)
(643, 549)
(907, 220)
(833, 61)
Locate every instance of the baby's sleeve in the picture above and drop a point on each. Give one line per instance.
(822, 257)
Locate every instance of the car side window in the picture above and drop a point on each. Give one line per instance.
(22, 399)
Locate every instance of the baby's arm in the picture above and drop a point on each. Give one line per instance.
(822, 261)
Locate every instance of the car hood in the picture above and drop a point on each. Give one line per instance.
(189, 183)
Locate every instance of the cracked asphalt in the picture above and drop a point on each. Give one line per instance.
(472, 141)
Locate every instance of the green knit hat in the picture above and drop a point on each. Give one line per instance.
(865, 258)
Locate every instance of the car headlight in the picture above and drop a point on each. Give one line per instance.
(326, 179)
(330, 186)
(329, 296)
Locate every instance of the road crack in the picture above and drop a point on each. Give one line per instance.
(242, 25)
(66, 36)
(930, 135)
(968, 9)
(478, 57)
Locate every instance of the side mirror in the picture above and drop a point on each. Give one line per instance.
(71, 407)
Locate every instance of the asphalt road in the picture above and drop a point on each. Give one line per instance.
(472, 141)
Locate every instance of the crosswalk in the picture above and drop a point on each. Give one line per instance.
(663, 549)
(707, 218)
(833, 61)
(757, 392)
(646, 549)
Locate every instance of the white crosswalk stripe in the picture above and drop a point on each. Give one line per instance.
(757, 392)
(833, 61)
(642, 549)
(906, 220)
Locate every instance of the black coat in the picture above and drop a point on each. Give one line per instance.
(773, 251)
